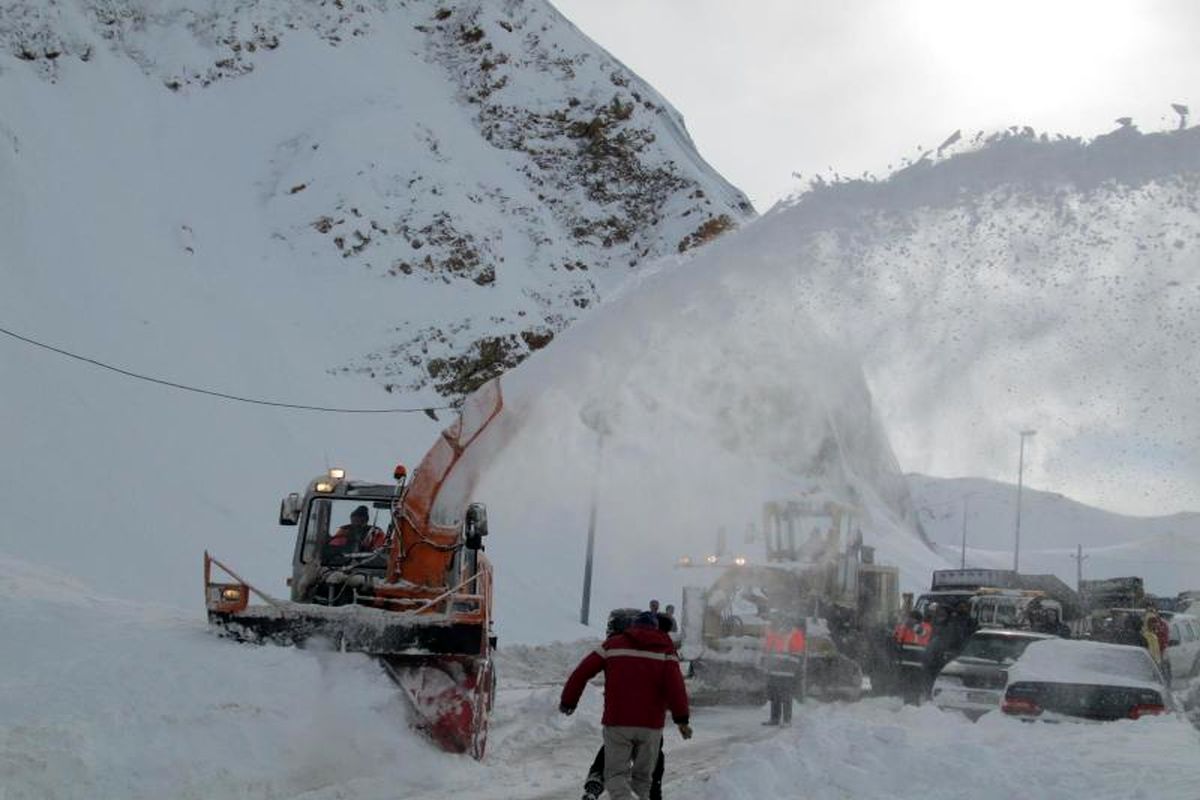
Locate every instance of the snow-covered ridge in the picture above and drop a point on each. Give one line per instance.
(491, 168)
(1032, 283)
(1163, 550)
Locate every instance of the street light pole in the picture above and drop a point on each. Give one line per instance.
(1020, 480)
(966, 497)
(585, 607)
(599, 419)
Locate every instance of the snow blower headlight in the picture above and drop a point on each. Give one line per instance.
(337, 473)
(324, 486)
(231, 594)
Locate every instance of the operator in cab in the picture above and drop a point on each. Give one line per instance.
(359, 536)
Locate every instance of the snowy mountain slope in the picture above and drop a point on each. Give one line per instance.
(1032, 283)
(485, 169)
(1165, 551)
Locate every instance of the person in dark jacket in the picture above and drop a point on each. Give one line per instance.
(642, 682)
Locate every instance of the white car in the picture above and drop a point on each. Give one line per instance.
(1183, 652)
(1061, 679)
(973, 682)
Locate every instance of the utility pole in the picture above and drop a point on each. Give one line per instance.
(1079, 559)
(1020, 480)
(966, 497)
(585, 607)
(597, 419)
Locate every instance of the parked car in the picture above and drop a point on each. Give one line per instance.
(1060, 679)
(1183, 651)
(974, 681)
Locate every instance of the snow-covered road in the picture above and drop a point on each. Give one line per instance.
(101, 698)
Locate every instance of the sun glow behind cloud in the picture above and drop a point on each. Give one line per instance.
(1025, 56)
(780, 87)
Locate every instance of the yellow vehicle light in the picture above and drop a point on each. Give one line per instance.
(337, 473)
(324, 486)
(231, 594)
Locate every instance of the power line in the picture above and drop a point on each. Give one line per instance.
(427, 410)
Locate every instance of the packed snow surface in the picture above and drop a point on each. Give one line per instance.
(107, 698)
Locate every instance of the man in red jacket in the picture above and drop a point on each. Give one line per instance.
(641, 682)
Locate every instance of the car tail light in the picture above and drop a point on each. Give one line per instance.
(1142, 709)
(1021, 707)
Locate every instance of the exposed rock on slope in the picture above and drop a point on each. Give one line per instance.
(492, 168)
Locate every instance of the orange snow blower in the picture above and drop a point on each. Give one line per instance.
(395, 571)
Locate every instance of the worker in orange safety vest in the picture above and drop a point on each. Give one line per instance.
(912, 637)
(783, 659)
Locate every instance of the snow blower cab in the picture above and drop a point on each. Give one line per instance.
(393, 570)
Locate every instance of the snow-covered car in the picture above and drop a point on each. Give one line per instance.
(974, 681)
(1183, 651)
(1062, 679)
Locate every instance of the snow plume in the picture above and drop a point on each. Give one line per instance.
(685, 404)
(1034, 283)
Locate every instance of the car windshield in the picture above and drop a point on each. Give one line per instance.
(991, 647)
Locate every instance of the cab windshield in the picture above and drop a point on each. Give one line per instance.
(334, 536)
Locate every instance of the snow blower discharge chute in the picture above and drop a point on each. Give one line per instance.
(395, 571)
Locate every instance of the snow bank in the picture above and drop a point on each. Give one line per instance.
(105, 698)
(881, 750)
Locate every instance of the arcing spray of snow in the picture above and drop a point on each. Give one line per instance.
(684, 405)
(1031, 282)
(1035, 283)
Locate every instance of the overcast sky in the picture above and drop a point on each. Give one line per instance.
(772, 87)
